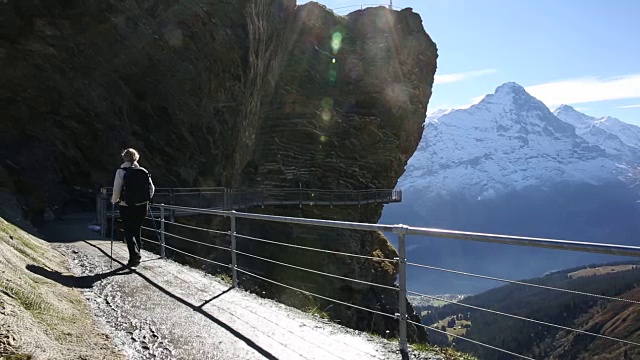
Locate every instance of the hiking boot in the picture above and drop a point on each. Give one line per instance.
(132, 263)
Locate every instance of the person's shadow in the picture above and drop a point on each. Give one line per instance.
(72, 281)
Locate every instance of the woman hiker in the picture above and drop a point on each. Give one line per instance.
(132, 190)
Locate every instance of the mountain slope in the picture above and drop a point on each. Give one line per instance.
(608, 133)
(630, 134)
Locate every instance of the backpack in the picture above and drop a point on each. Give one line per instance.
(136, 187)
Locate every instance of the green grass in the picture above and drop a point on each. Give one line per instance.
(20, 243)
(447, 352)
(458, 331)
(28, 298)
(319, 313)
(17, 357)
(226, 278)
(314, 309)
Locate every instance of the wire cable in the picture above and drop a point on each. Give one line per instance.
(317, 272)
(313, 294)
(198, 242)
(524, 283)
(149, 240)
(197, 228)
(198, 257)
(315, 249)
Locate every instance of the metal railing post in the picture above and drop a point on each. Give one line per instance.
(162, 253)
(103, 210)
(401, 230)
(225, 199)
(103, 216)
(234, 271)
(99, 211)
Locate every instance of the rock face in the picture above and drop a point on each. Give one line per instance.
(221, 93)
(356, 98)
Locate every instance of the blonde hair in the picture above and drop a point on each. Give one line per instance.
(130, 155)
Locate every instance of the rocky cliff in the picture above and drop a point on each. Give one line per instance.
(219, 93)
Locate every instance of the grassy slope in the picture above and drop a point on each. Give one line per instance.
(40, 318)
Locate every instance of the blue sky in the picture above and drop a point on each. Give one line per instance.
(585, 53)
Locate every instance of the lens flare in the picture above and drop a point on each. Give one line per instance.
(326, 115)
(336, 42)
(327, 103)
(333, 74)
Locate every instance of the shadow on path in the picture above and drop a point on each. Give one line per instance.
(83, 282)
(195, 308)
(215, 297)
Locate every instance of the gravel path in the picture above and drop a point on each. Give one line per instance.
(164, 310)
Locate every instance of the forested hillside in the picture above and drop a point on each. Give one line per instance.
(613, 318)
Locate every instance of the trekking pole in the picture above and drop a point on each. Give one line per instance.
(153, 220)
(113, 224)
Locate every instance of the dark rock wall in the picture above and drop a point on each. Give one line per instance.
(79, 81)
(355, 89)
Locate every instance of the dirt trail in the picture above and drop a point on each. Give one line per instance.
(165, 310)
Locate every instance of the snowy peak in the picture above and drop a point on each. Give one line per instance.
(437, 114)
(618, 138)
(629, 134)
(582, 122)
(508, 141)
(510, 88)
(568, 114)
(511, 96)
(611, 122)
(512, 109)
(566, 109)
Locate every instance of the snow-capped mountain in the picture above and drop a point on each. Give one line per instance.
(436, 114)
(629, 134)
(619, 139)
(508, 165)
(508, 141)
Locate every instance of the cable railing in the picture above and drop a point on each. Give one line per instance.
(219, 198)
(343, 10)
(400, 231)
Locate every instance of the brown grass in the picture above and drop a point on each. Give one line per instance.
(602, 270)
(41, 318)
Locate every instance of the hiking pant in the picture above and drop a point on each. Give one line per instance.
(132, 218)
